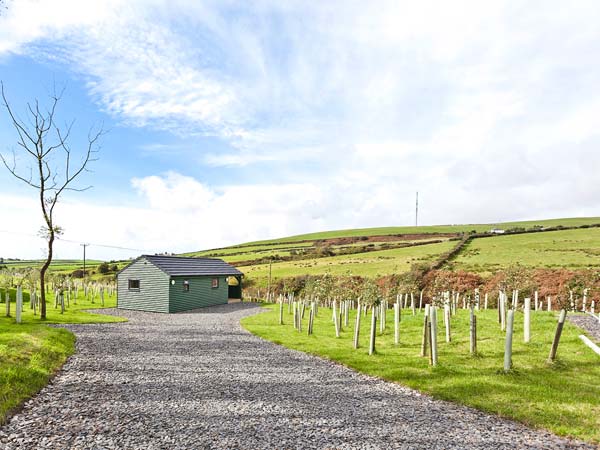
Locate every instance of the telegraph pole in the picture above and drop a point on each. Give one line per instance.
(84, 246)
(269, 288)
(417, 211)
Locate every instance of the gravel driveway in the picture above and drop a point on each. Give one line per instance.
(197, 380)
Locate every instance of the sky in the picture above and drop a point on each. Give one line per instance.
(232, 121)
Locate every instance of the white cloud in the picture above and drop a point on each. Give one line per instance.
(489, 110)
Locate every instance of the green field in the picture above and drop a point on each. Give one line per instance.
(574, 249)
(364, 251)
(570, 222)
(31, 352)
(370, 264)
(563, 398)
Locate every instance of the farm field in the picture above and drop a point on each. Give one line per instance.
(570, 222)
(62, 266)
(367, 264)
(573, 249)
(31, 352)
(563, 398)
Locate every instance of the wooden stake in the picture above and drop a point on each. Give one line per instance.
(373, 328)
(425, 335)
(433, 336)
(473, 333)
(357, 327)
(559, 327)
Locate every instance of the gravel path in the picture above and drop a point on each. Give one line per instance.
(587, 322)
(197, 380)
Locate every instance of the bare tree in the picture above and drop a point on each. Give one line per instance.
(44, 143)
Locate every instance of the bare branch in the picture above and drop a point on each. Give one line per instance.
(17, 124)
(13, 171)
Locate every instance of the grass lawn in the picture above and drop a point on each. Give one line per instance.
(568, 248)
(31, 352)
(563, 398)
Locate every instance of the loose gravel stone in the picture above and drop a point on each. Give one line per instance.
(587, 322)
(198, 380)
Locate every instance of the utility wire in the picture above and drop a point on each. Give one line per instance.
(78, 242)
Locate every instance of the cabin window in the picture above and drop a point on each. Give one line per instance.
(186, 286)
(134, 285)
(215, 283)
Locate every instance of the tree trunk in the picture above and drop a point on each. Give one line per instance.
(43, 283)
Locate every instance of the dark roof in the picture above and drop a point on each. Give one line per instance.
(182, 266)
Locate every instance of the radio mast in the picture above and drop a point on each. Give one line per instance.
(417, 211)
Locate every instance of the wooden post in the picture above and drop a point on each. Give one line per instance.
(311, 319)
(527, 320)
(299, 314)
(396, 323)
(425, 334)
(62, 301)
(433, 336)
(19, 304)
(559, 327)
(357, 327)
(373, 328)
(7, 298)
(498, 307)
(508, 343)
(473, 333)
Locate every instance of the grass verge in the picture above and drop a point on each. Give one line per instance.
(563, 398)
(32, 352)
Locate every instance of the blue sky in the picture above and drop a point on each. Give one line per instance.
(233, 121)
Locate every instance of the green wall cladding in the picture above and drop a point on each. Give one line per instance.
(154, 288)
(200, 295)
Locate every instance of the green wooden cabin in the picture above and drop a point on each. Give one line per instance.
(170, 284)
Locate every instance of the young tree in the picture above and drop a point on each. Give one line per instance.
(41, 140)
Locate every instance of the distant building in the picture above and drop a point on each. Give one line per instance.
(497, 231)
(171, 284)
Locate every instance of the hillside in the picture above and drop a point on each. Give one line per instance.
(387, 250)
